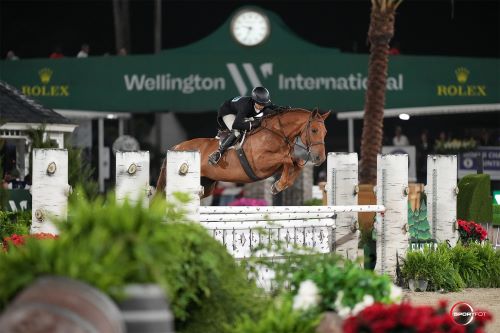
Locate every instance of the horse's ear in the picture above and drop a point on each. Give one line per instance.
(315, 111)
(325, 115)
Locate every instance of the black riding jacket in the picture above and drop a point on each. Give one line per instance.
(242, 107)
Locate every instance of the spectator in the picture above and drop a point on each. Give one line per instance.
(84, 51)
(122, 52)
(11, 55)
(7, 181)
(57, 53)
(399, 138)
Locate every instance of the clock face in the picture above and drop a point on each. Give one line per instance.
(250, 27)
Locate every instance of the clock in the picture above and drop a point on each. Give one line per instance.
(250, 27)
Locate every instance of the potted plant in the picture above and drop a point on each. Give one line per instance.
(415, 271)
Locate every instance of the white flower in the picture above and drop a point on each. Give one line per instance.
(307, 296)
(367, 301)
(396, 294)
(344, 312)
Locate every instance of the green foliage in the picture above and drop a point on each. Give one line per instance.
(433, 265)
(80, 172)
(109, 245)
(420, 229)
(313, 202)
(473, 266)
(279, 317)
(474, 199)
(332, 274)
(14, 223)
(486, 258)
(496, 214)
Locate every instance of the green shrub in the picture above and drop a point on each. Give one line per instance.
(279, 317)
(496, 214)
(109, 246)
(332, 275)
(474, 199)
(433, 265)
(313, 202)
(14, 223)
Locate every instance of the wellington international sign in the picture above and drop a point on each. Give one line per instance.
(199, 77)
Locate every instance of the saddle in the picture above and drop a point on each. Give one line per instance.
(224, 133)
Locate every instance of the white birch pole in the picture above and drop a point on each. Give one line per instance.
(342, 189)
(132, 176)
(183, 175)
(392, 226)
(441, 190)
(49, 189)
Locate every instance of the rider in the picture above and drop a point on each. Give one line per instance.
(240, 114)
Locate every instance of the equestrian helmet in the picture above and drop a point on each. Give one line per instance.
(261, 95)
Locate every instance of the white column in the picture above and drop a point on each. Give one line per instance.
(342, 190)
(441, 190)
(121, 126)
(100, 152)
(183, 175)
(50, 189)
(132, 176)
(350, 133)
(392, 226)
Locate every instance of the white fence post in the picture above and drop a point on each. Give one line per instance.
(441, 190)
(183, 175)
(132, 176)
(392, 226)
(341, 189)
(50, 189)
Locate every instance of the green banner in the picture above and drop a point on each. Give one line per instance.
(201, 76)
(18, 200)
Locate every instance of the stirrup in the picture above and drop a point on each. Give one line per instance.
(214, 158)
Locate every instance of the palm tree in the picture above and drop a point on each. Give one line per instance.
(380, 32)
(121, 18)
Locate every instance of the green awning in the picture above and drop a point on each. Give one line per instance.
(199, 77)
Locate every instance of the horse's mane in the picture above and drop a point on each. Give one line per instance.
(283, 110)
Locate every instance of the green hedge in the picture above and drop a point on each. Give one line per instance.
(474, 199)
(109, 245)
(496, 215)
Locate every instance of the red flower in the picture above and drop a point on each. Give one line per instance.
(404, 317)
(18, 240)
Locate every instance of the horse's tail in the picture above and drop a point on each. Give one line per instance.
(162, 179)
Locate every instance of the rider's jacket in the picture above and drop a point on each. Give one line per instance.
(243, 108)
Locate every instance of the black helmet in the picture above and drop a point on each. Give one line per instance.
(260, 95)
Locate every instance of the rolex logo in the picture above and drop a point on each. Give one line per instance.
(45, 75)
(462, 74)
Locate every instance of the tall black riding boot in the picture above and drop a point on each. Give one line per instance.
(214, 158)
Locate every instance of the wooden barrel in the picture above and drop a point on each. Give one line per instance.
(145, 310)
(58, 304)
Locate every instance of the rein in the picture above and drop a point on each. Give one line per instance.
(293, 144)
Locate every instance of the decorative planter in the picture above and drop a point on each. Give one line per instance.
(145, 309)
(418, 285)
(60, 304)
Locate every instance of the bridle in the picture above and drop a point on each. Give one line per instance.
(298, 139)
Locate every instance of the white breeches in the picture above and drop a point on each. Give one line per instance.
(229, 121)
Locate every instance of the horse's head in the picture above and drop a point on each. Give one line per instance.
(313, 137)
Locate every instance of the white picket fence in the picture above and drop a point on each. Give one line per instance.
(325, 228)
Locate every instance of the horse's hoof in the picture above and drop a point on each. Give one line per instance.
(274, 189)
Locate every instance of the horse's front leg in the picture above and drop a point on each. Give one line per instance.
(290, 172)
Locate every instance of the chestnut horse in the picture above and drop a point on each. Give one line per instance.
(270, 148)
